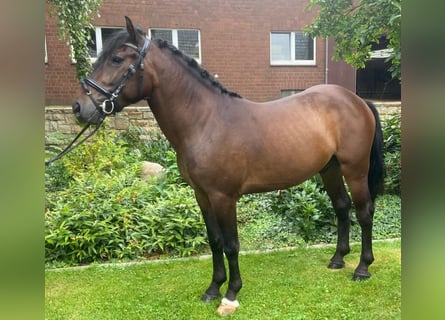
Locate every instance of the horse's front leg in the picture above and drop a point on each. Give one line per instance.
(220, 217)
(225, 211)
(216, 242)
(229, 303)
(219, 270)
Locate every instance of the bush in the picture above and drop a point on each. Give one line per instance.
(299, 214)
(392, 147)
(305, 210)
(114, 218)
(57, 176)
(105, 211)
(261, 227)
(387, 219)
(154, 148)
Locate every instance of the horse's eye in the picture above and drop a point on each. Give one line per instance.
(117, 60)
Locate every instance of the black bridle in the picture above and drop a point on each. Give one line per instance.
(108, 106)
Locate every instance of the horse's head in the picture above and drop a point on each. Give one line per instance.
(120, 77)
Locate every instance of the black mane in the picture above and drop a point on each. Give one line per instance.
(189, 61)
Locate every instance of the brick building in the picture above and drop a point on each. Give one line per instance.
(256, 48)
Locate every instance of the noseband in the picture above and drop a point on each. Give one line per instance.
(108, 106)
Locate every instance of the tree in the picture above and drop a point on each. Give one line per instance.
(74, 20)
(356, 25)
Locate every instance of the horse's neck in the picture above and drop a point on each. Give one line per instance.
(179, 103)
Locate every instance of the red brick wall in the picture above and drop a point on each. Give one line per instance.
(61, 84)
(235, 37)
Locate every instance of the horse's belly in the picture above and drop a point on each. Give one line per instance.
(280, 175)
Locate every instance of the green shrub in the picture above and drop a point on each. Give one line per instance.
(114, 218)
(305, 209)
(392, 144)
(259, 227)
(57, 176)
(387, 219)
(154, 148)
(301, 213)
(105, 211)
(304, 214)
(392, 132)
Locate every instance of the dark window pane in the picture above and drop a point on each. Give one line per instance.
(304, 47)
(162, 34)
(92, 47)
(108, 32)
(188, 42)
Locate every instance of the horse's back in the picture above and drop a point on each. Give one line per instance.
(324, 113)
(323, 99)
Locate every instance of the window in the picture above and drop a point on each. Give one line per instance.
(291, 48)
(186, 40)
(289, 92)
(98, 37)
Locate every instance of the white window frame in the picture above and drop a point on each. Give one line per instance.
(175, 39)
(292, 61)
(46, 53)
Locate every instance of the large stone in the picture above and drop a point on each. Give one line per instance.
(149, 170)
(121, 123)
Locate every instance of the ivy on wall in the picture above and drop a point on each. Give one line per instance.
(74, 19)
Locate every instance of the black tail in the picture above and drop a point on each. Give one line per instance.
(376, 172)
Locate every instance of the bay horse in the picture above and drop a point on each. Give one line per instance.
(228, 146)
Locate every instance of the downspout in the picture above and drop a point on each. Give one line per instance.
(326, 69)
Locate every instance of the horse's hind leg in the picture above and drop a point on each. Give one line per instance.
(334, 186)
(357, 180)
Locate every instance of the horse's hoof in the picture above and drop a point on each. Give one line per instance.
(361, 276)
(227, 307)
(209, 297)
(336, 265)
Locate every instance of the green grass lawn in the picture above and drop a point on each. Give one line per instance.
(291, 284)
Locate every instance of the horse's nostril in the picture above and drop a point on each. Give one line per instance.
(76, 107)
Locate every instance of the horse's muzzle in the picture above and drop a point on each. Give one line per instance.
(84, 115)
(76, 109)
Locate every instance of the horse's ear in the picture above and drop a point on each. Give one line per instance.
(131, 31)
